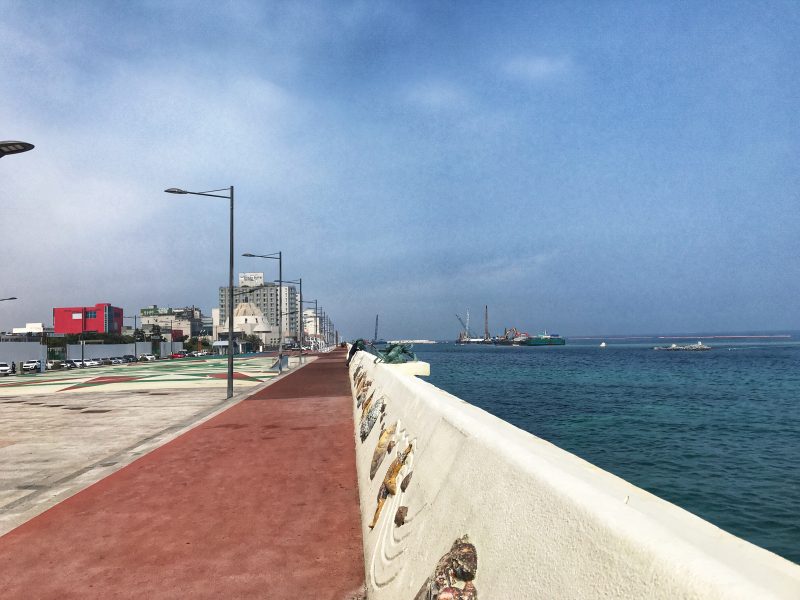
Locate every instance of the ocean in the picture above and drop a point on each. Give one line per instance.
(715, 432)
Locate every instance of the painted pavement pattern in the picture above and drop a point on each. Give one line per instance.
(179, 373)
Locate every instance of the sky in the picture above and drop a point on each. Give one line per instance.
(585, 168)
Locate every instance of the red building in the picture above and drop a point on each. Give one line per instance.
(102, 318)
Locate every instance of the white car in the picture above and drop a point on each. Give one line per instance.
(147, 357)
(5, 369)
(31, 365)
(91, 362)
(116, 360)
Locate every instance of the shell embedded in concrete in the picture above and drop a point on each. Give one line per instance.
(460, 564)
(370, 416)
(394, 470)
(384, 441)
(400, 516)
(389, 485)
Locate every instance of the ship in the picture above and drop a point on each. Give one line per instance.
(543, 339)
(699, 346)
(515, 337)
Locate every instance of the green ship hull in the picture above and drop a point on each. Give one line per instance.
(543, 340)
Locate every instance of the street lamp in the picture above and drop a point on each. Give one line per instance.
(11, 147)
(230, 273)
(300, 328)
(310, 318)
(279, 257)
(134, 317)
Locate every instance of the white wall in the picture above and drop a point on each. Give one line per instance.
(19, 352)
(544, 523)
(108, 350)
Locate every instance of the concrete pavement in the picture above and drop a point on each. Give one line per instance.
(259, 501)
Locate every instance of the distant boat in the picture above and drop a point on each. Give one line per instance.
(602, 344)
(543, 339)
(685, 347)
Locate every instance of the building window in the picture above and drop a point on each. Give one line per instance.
(91, 314)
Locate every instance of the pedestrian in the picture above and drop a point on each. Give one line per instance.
(13, 368)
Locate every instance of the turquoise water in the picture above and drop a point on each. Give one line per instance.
(717, 432)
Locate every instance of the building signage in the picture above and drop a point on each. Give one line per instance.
(77, 316)
(251, 279)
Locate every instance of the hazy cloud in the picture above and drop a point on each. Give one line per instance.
(535, 69)
(438, 95)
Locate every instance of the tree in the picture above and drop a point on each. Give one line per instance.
(191, 343)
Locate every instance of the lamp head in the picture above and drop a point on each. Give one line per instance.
(12, 147)
(175, 191)
(249, 255)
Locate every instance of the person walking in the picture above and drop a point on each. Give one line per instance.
(13, 368)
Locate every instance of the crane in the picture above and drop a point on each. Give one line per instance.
(467, 334)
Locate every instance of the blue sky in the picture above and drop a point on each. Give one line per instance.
(585, 167)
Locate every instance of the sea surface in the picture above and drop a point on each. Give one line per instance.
(716, 432)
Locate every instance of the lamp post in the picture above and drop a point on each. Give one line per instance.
(311, 318)
(279, 257)
(11, 147)
(299, 281)
(134, 317)
(230, 273)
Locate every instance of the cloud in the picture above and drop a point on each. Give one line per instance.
(537, 69)
(438, 95)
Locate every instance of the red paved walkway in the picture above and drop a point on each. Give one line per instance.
(259, 502)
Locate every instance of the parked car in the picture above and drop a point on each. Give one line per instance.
(116, 360)
(146, 357)
(128, 358)
(91, 362)
(5, 369)
(54, 364)
(104, 361)
(178, 354)
(32, 365)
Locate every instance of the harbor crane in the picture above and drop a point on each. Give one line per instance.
(467, 333)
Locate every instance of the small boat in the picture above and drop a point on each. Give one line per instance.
(684, 347)
(602, 344)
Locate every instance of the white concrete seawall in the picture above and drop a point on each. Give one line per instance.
(542, 522)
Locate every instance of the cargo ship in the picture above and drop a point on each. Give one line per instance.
(514, 337)
(543, 339)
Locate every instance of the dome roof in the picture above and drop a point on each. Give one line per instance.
(247, 309)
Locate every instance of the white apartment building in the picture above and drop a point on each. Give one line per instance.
(266, 297)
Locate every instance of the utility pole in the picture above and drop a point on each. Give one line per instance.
(375, 339)
(486, 323)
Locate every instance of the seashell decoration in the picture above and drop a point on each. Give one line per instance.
(369, 415)
(459, 565)
(400, 516)
(406, 481)
(380, 449)
(363, 385)
(389, 485)
(362, 397)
